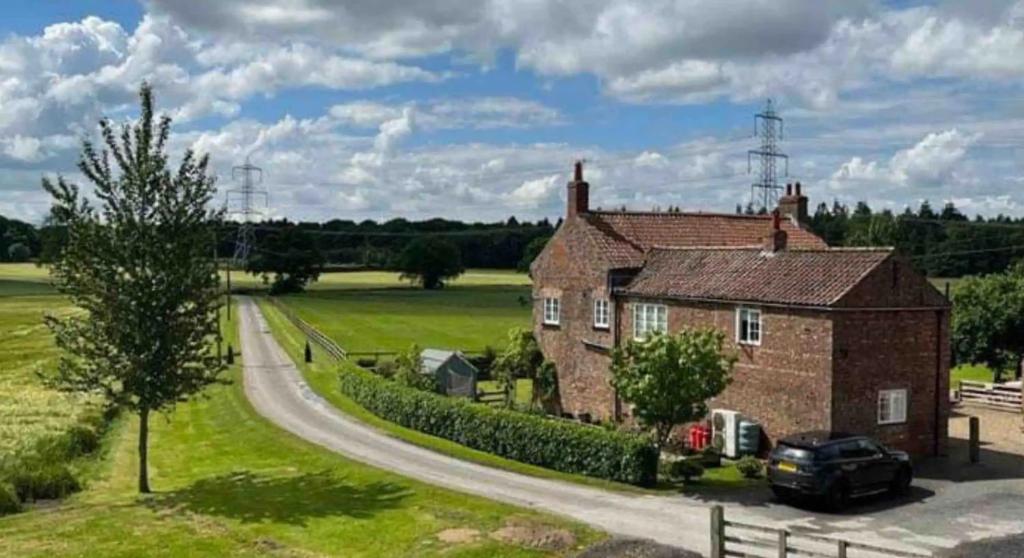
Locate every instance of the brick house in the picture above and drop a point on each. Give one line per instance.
(827, 338)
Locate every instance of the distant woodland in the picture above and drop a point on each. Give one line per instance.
(940, 242)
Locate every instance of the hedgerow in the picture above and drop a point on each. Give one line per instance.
(552, 443)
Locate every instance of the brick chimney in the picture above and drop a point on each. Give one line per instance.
(775, 240)
(579, 193)
(794, 203)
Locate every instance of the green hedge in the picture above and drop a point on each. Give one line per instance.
(551, 443)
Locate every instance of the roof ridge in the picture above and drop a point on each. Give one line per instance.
(697, 213)
(727, 248)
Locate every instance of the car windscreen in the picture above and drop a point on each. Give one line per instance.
(783, 451)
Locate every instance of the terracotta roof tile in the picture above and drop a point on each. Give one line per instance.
(794, 277)
(624, 237)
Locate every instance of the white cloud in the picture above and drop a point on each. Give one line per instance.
(931, 162)
(533, 192)
(445, 114)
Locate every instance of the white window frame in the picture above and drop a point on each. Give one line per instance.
(602, 313)
(552, 311)
(747, 312)
(648, 317)
(892, 406)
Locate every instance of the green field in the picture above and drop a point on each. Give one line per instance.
(228, 483)
(29, 411)
(369, 312)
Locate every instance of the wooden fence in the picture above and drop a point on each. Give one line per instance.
(313, 334)
(491, 397)
(732, 538)
(991, 395)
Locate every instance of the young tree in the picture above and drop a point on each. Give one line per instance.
(522, 358)
(988, 320)
(141, 267)
(668, 379)
(430, 261)
(19, 252)
(409, 370)
(293, 258)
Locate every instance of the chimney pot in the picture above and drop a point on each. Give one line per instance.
(578, 172)
(798, 188)
(775, 240)
(789, 189)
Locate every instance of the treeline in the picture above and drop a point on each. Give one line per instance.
(943, 243)
(19, 241)
(378, 245)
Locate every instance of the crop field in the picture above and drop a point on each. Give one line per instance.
(229, 483)
(27, 409)
(375, 312)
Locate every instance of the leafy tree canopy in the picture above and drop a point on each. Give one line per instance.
(669, 378)
(532, 250)
(988, 320)
(140, 267)
(291, 256)
(522, 358)
(430, 261)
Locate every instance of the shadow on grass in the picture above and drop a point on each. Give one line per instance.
(253, 498)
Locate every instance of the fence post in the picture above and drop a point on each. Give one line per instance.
(717, 532)
(841, 549)
(974, 444)
(309, 352)
(783, 546)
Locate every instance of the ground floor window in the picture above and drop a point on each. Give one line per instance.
(892, 406)
(648, 318)
(552, 311)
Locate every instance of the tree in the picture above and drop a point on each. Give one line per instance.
(142, 270)
(430, 261)
(522, 358)
(988, 320)
(19, 252)
(409, 370)
(532, 250)
(668, 379)
(289, 254)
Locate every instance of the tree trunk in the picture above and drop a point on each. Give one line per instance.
(143, 450)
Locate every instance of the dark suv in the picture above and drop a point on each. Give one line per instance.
(836, 467)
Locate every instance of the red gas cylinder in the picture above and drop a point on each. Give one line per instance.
(695, 436)
(705, 431)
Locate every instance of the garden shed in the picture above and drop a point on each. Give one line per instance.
(455, 374)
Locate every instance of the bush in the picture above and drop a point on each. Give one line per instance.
(43, 481)
(546, 442)
(685, 470)
(750, 467)
(710, 457)
(365, 362)
(9, 502)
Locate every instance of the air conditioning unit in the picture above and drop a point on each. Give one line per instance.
(725, 432)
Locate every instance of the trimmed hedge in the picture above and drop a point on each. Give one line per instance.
(546, 442)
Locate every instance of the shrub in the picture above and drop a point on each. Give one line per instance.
(546, 442)
(365, 362)
(9, 502)
(685, 470)
(750, 467)
(710, 457)
(43, 481)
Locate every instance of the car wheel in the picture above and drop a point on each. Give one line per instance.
(901, 484)
(837, 497)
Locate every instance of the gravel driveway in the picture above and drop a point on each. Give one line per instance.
(939, 514)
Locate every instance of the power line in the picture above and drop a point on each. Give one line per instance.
(968, 252)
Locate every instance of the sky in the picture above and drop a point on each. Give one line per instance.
(476, 110)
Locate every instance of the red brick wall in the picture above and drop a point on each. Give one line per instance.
(784, 383)
(563, 271)
(877, 350)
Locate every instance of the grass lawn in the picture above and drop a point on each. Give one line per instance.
(229, 483)
(971, 372)
(27, 409)
(464, 317)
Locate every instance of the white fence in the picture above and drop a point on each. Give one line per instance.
(998, 396)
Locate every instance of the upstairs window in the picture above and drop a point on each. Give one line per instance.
(602, 315)
(748, 326)
(648, 318)
(552, 311)
(892, 406)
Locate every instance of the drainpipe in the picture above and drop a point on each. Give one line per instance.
(613, 302)
(938, 382)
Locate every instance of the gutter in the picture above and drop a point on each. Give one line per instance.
(821, 308)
